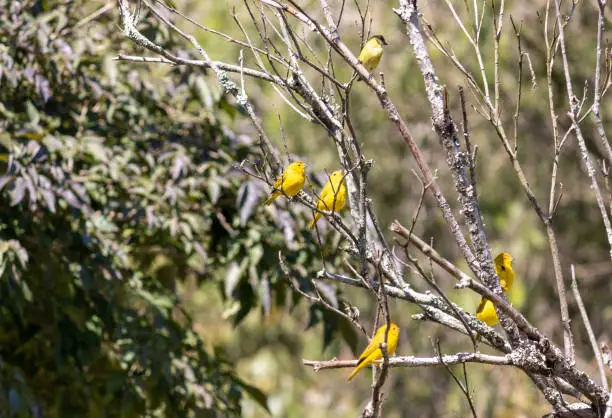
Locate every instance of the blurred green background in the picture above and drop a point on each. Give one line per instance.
(132, 246)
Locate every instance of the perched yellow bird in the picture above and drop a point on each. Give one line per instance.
(373, 351)
(372, 52)
(332, 197)
(486, 312)
(503, 267)
(290, 182)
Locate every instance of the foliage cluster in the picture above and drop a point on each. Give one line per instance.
(118, 185)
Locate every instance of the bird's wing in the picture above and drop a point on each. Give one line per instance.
(324, 202)
(507, 279)
(378, 338)
(362, 54)
(335, 185)
(334, 194)
(482, 304)
(372, 346)
(279, 181)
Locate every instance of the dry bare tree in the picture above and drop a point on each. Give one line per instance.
(310, 81)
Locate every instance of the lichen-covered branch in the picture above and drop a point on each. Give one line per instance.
(516, 358)
(457, 161)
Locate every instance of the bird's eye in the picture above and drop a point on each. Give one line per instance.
(503, 268)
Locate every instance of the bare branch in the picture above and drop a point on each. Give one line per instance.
(573, 114)
(468, 143)
(428, 251)
(589, 330)
(482, 263)
(464, 389)
(411, 361)
(435, 308)
(326, 102)
(597, 91)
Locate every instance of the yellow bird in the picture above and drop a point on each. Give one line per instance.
(503, 267)
(332, 197)
(290, 182)
(486, 312)
(372, 52)
(373, 351)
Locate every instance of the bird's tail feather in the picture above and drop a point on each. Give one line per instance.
(314, 221)
(271, 198)
(355, 371)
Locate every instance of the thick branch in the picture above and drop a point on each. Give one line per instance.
(435, 308)
(457, 161)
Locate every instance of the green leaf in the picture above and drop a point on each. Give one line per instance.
(15, 403)
(349, 334)
(160, 301)
(5, 140)
(18, 191)
(214, 189)
(227, 107)
(246, 296)
(96, 149)
(233, 275)
(255, 393)
(25, 290)
(316, 316)
(33, 113)
(33, 133)
(255, 254)
(203, 92)
(93, 324)
(330, 326)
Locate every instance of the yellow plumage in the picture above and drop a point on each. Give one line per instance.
(486, 312)
(373, 351)
(372, 52)
(290, 182)
(332, 197)
(503, 267)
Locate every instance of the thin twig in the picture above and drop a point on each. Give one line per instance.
(573, 114)
(434, 307)
(468, 143)
(597, 92)
(375, 404)
(108, 6)
(519, 89)
(464, 389)
(316, 300)
(430, 279)
(589, 330)
(428, 251)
